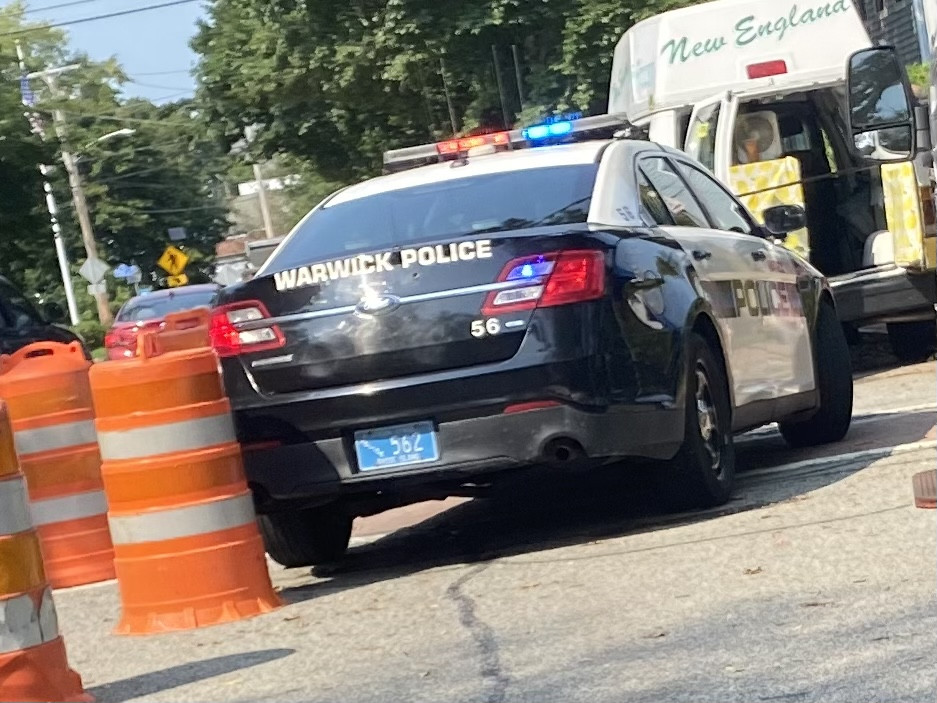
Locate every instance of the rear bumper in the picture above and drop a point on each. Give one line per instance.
(469, 447)
(884, 293)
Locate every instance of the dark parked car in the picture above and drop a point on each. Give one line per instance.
(21, 323)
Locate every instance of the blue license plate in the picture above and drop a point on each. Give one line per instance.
(393, 447)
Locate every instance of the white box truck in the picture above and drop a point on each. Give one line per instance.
(758, 91)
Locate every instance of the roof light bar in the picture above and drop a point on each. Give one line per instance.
(454, 146)
(565, 130)
(544, 131)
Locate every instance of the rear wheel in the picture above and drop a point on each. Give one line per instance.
(834, 380)
(703, 472)
(912, 342)
(306, 537)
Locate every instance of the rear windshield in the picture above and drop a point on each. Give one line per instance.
(461, 207)
(145, 308)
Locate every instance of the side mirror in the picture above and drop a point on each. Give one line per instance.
(781, 220)
(53, 312)
(880, 113)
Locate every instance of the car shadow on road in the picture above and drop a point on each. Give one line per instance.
(539, 510)
(176, 676)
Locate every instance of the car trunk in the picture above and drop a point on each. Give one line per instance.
(423, 312)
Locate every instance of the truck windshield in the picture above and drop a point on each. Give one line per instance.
(552, 195)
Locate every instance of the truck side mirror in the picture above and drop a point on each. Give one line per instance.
(880, 113)
(781, 220)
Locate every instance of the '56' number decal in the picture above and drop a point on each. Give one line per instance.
(483, 328)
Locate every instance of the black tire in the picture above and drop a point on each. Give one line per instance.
(702, 474)
(306, 537)
(834, 380)
(912, 342)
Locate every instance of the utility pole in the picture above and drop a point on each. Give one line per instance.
(78, 193)
(264, 203)
(445, 87)
(504, 108)
(517, 76)
(60, 251)
(250, 134)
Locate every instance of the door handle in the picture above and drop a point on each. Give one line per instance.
(759, 255)
(647, 281)
(699, 254)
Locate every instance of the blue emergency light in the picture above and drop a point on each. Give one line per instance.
(545, 131)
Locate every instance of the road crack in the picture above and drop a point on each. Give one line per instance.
(483, 636)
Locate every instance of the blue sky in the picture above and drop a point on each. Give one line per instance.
(152, 46)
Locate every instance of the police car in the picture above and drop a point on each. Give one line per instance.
(556, 296)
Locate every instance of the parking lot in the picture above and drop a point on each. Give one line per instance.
(815, 583)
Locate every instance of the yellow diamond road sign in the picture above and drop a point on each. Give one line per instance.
(173, 261)
(175, 281)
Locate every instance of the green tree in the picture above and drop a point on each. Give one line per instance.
(336, 84)
(160, 177)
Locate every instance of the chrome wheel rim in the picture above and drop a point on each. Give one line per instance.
(707, 417)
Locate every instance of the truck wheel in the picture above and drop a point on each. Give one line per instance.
(834, 380)
(305, 537)
(912, 342)
(702, 474)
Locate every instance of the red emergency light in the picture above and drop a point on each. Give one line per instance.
(454, 146)
(768, 68)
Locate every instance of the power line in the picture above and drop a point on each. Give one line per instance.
(162, 73)
(154, 85)
(182, 209)
(56, 7)
(121, 118)
(172, 95)
(95, 18)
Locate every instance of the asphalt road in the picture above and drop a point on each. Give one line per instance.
(815, 583)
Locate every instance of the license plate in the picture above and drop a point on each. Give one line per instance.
(392, 447)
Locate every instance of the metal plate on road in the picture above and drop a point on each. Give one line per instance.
(925, 489)
(397, 446)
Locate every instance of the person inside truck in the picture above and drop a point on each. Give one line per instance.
(746, 145)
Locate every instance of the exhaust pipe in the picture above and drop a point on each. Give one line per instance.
(563, 451)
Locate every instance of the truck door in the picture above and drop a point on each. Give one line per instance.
(709, 137)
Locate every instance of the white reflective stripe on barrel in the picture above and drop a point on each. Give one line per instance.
(66, 434)
(189, 521)
(73, 507)
(14, 506)
(163, 439)
(22, 625)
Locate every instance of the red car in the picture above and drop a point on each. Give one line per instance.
(149, 311)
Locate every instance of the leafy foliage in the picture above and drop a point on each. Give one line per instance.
(336, 84)
(137, 186)
(919, 75)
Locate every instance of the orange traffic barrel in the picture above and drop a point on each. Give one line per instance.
(33, 660)
(46, 389)
(187, 549)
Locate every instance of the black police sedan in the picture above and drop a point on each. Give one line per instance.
(566, 304)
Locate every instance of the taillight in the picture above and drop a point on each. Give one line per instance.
(555, 279)
(228, 339)
(110, 340)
